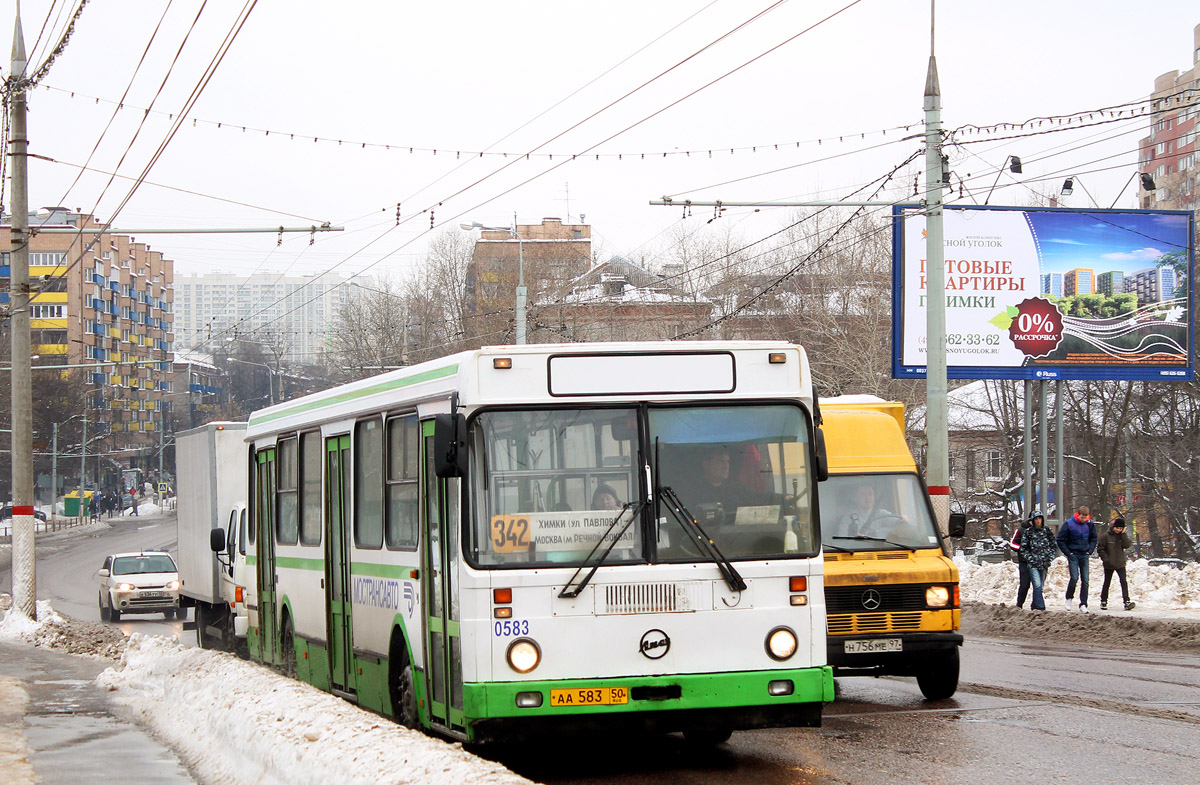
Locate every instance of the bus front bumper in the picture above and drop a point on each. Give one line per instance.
(501, 711)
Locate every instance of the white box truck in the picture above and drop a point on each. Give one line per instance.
(213, 531)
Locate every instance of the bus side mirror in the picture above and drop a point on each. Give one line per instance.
(958, 524)
(216, 540)
(822, 457)
(450, 445)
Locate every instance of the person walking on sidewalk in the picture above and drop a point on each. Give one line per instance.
(1017, 543)
(1077, 540)
(1038, 549)
(1112, 546)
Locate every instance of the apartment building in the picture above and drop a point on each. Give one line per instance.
(1078, 281)
(1152, 285)
(102, 305)
(550, 255)
(1169, 153)
(292, 315)
(1110, 283)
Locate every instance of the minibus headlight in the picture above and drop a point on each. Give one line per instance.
(124, 587)
(172, 585)
(937, 596)
(781, 643)
(523, 655)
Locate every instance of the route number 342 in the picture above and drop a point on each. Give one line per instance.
(510, 533)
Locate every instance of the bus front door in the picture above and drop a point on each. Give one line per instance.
(337, 565)
(443, 664)
(268, 616)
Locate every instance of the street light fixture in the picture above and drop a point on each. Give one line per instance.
(1147, 183)
(1068, 188)
(1014, 166)
(520, 325)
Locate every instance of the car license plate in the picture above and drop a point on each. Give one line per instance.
(590, 696)
(873, 646)
(152, 595)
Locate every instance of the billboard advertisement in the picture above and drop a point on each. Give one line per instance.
(1049, 293)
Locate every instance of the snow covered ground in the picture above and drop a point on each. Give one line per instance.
(236, 723)
(1160, 588)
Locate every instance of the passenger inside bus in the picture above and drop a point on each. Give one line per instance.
(864, 513)
(605, 498)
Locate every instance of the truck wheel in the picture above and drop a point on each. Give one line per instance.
(202, 640)
(940, 680)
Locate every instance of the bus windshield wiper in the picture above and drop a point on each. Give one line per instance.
(865, 538)
(696, 533)
(837, 547)
(568, 592)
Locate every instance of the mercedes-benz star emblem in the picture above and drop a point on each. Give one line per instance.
(871, 600)
(655, 644)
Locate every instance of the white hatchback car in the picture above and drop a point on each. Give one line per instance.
(143, 582)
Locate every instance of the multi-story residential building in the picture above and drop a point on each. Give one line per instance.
(1079, 281)
(1052, 284)
(1110, 283)
(198, 390)
(102, 304)
(1152, 285)
(290, 315)
(1169, 153)
(552, 254)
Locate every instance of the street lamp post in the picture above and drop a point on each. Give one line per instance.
(521, 292)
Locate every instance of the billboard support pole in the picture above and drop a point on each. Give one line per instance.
(1043, 495)
(1060, 463)
(937, 466)
(1027, 462)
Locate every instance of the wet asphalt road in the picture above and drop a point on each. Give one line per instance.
(1026, 712)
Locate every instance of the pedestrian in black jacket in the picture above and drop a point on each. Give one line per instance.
(1016, 544)
(1038, 549)
(1112, 546)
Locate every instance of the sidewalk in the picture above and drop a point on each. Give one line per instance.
(56, 726)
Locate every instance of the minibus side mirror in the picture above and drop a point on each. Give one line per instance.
(450, 445)
(958, 524)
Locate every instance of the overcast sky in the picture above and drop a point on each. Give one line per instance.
(526, 77)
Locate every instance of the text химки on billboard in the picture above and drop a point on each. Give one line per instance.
(1050, 293)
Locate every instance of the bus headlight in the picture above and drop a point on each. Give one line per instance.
(523, 655)
(781, 643)
(937, 596)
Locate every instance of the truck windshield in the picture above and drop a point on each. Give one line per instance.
(549, 484)
(873, 512)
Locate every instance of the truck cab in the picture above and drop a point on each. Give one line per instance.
(891, 589)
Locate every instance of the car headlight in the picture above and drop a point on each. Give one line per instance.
(937, 596)
(124, 587)
(523, 655)
(781, 643)
(173, 585)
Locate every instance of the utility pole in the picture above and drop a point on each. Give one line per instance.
(937, 458)
(82, 459)
(24, 577)
(54, 473)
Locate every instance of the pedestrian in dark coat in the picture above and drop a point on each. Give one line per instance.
(1039, 548)
(1112, 546)
(1077, 540)
(1016, 544)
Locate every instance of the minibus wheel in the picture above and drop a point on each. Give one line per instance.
(940, 680)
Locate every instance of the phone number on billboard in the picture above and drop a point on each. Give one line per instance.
(972, 339)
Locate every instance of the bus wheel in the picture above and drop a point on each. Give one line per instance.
(940, 680)
(287, 643)
(401, 685)
(707, 737)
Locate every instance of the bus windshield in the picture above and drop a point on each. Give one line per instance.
(873, 512)
(553, 484)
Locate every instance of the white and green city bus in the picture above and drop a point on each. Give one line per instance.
(520, 539)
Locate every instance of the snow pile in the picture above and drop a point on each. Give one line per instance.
(1151, 586)
(237, 723)
(52, 631)
(145, 508)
